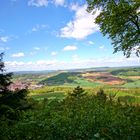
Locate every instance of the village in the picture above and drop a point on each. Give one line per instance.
(23, 85)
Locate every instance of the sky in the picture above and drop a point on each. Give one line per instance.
(54, 35)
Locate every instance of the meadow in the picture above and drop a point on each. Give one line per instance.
(114, 81)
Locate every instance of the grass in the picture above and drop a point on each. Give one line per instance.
(59, 93)
(134, 84)
(50, 95)
(84, 83)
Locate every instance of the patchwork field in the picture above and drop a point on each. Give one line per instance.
(110, 77)
(103, 77)
(115, 82)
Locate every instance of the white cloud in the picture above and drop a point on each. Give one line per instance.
(17, 55)
(91, 43)
(135, 49)
(41, 3)
(70, 48)
(46, 62)
(38, 3)
(4, 48)
(76, 63)
(38, 27)
(59, 2)
(54, 53)
(102, 47)
(36, 48)
(82, 25)
(4, 39)
(33, 53)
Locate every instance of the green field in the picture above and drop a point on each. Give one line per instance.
(74, 78)
(60, 92)
(49, 95)
(83, 82)
(57, 85)
(134, 84)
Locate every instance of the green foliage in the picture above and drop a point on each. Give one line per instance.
(51, 89)
(50, 95)
(10, 101)
(55, 92)
(120, 21)
(5, 78)
(77, 92)
(72, 119)
(101, 95)
(126, 99)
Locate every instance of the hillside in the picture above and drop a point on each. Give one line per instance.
(123, 77)
(91, 77)
(61, 78)
(126, 72)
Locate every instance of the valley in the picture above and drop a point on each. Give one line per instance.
(109, 77)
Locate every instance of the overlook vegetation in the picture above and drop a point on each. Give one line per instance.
(84, 116)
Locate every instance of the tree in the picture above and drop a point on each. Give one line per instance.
(10, 101)
(120, 20)
(77, 92)
(101, 95)
(5, 78)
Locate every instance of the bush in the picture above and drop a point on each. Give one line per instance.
(77, 92)
(69, 119)
(101, 95)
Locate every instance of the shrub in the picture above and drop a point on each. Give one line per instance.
(101, 95)
(77, 92)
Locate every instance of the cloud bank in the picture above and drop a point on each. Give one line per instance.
(82, 25)
(76, 63)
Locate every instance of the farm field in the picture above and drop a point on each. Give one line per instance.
(124, 81)
(119, 82)
(61, 92)
(110, 77)
(50, 95)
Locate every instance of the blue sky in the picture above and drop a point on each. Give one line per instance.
(54, 34)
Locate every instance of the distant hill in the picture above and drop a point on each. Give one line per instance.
(61, 78)
(126, 72)
(75, 70)
(33, 72)
(102, 76)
